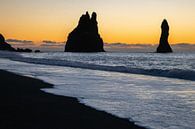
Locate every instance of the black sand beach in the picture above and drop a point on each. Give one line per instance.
(24, 106)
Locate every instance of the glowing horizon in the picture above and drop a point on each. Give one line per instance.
(125, 21)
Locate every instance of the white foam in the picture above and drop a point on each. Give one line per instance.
(181, 66)
(154, 102)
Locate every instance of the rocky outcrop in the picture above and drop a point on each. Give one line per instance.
(37, 51)
(24, 50)
(164, 46)
(85, 37)
(5, 46)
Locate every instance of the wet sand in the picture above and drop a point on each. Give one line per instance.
(24, 106)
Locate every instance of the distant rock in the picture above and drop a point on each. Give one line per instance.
(37, 51)
(85, 37)
(5, 46)
(164, 46)
(24, 50)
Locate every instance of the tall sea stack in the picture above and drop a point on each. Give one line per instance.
(164, 46)
(85, 37)
(5, 46)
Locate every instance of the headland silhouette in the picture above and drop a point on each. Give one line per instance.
(4, 45)
(7, 47)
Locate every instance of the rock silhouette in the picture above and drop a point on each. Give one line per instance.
(5, 46)
(85, 37)
(37, 51)
(24, 50)
(164, 46)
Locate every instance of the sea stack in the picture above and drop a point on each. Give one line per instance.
(85, 37)
(164, 46)
(5, 46)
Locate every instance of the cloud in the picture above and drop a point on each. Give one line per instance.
(184, 47)
(125, 45)
(48, 43)
(180, 47)
(19, 41)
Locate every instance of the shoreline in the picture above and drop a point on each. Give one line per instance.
(25, 106)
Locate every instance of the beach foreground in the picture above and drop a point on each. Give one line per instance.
(25, 106)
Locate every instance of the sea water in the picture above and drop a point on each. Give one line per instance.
(154, 90)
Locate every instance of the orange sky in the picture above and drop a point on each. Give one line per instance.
(126, 21)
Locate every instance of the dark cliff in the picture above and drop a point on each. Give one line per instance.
(5, 46)
(164, 46)
(85, 37)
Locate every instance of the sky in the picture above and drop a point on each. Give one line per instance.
(124, 21)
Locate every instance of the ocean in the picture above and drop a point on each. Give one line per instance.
(156, 91)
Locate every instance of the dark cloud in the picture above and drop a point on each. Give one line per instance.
(19, 41)
(183, 45)
(124, 47)
(127, 45)
(116, 44)
(146, 45)
(48, 43)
